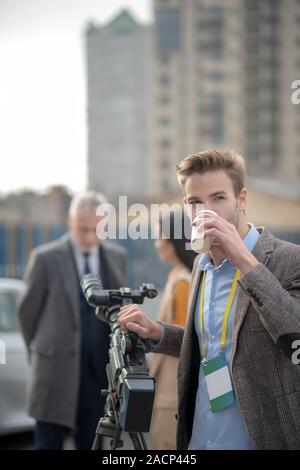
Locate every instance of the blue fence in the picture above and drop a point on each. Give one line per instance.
(17, 241)
(4, 250)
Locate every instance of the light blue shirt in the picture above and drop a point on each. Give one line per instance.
(225, 429)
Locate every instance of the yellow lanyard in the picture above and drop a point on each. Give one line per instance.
(226, 313)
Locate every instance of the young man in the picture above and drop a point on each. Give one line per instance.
(238, 378)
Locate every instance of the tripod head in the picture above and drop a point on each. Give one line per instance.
(108, 302)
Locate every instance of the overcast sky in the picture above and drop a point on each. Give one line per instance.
(42, 88)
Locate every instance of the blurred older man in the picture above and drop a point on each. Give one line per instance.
(67, 344)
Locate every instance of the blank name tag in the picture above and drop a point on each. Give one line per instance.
(219, 385)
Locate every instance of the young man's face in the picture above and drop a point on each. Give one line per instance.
(214, 190)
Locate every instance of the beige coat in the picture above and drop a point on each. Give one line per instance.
(164, 369)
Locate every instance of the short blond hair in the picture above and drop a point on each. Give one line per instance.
(213, 160)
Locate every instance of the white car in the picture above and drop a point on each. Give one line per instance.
(14, 367)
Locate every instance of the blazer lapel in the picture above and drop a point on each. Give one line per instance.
(263, 247)
(187, 346)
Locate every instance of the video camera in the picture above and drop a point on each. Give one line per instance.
(130, 393)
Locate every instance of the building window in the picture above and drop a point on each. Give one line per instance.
(211, 31)
(216, 76)
(164, 164)
(213, 48)
(167, 27)
(164, 80)
(212, 115)
(164, 59)
(213, 105)
(164, 121)
(165, 185)
(165, 143)
(164, 100)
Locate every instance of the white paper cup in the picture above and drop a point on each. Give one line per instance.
(199, 243)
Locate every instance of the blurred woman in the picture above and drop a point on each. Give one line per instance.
(173, 309)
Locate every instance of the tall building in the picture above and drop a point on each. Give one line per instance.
(222, 75)
(197, 70)
(272, 63)
(118, 93)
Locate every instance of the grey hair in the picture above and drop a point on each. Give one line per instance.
(89, 199)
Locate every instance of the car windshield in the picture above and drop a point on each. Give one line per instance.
(8, 314)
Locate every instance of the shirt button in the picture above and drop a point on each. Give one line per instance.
(208, 443)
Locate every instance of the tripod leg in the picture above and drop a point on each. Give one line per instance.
(138, 441)
(97, 444)
(109, 429)
(144, 443)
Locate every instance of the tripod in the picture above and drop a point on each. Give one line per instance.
(127, 373)
(109, 426)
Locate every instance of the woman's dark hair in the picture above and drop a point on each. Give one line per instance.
(176, 228)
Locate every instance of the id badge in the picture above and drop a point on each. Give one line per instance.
(219, 385)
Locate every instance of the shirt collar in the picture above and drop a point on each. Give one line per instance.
(251, 238)
(249, 241)
(93, 251)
